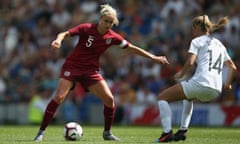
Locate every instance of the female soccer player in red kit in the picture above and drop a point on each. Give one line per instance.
(82, 65)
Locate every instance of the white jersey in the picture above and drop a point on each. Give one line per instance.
(211, 54)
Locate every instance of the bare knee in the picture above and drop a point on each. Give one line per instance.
(109, 101)
(59, 98)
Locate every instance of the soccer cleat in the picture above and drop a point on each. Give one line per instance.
(107, 135)
(166, 137)
(39, 136)
(180, 135)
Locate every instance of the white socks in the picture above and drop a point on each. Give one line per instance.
(165, 115)
(186, 114)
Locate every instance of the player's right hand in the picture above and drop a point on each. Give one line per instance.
(56, 44)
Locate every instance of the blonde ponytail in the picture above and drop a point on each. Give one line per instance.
(221, 23)
(206, 25)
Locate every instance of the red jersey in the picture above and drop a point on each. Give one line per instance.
(91, 45)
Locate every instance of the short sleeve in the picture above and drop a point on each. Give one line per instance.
(193, 47)
(226, 55)
(120, 41)
(78, 30)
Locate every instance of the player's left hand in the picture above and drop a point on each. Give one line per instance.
(161, 59)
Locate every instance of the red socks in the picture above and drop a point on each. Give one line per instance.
(49, 113)
(52, 107)
(108, 117)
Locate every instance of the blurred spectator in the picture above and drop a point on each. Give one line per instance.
(9, 38)
(37, 105)
(60, 13)
(145, 96)
(2, 88)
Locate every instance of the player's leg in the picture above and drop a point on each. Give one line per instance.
(171, 94)
(193, 91)
(62, 90)
(186, 114)
(185, 120)
(102, 90)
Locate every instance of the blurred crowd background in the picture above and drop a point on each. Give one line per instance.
(29, 68)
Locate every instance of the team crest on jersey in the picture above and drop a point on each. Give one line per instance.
(108, 41)
(67, 73)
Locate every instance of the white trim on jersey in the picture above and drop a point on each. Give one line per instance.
(123, 44)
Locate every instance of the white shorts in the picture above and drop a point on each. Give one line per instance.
(194, 90)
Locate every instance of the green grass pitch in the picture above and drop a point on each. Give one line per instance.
(128, 135)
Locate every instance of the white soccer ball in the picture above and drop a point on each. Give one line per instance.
(72, 131)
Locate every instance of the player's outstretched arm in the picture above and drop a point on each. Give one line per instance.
(58, 41)
(158, 59)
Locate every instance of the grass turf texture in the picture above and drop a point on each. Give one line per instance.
(128, 135)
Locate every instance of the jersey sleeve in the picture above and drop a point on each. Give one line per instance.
(77, 30)
(193, 47)
(226, 55)
(120, 41)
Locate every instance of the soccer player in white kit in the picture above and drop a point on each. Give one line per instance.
(206, 84)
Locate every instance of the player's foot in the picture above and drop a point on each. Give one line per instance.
(180, 135)
(165, 137)
(39, 136)
(107, 135)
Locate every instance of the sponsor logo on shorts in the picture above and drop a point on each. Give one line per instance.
(67, 73)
